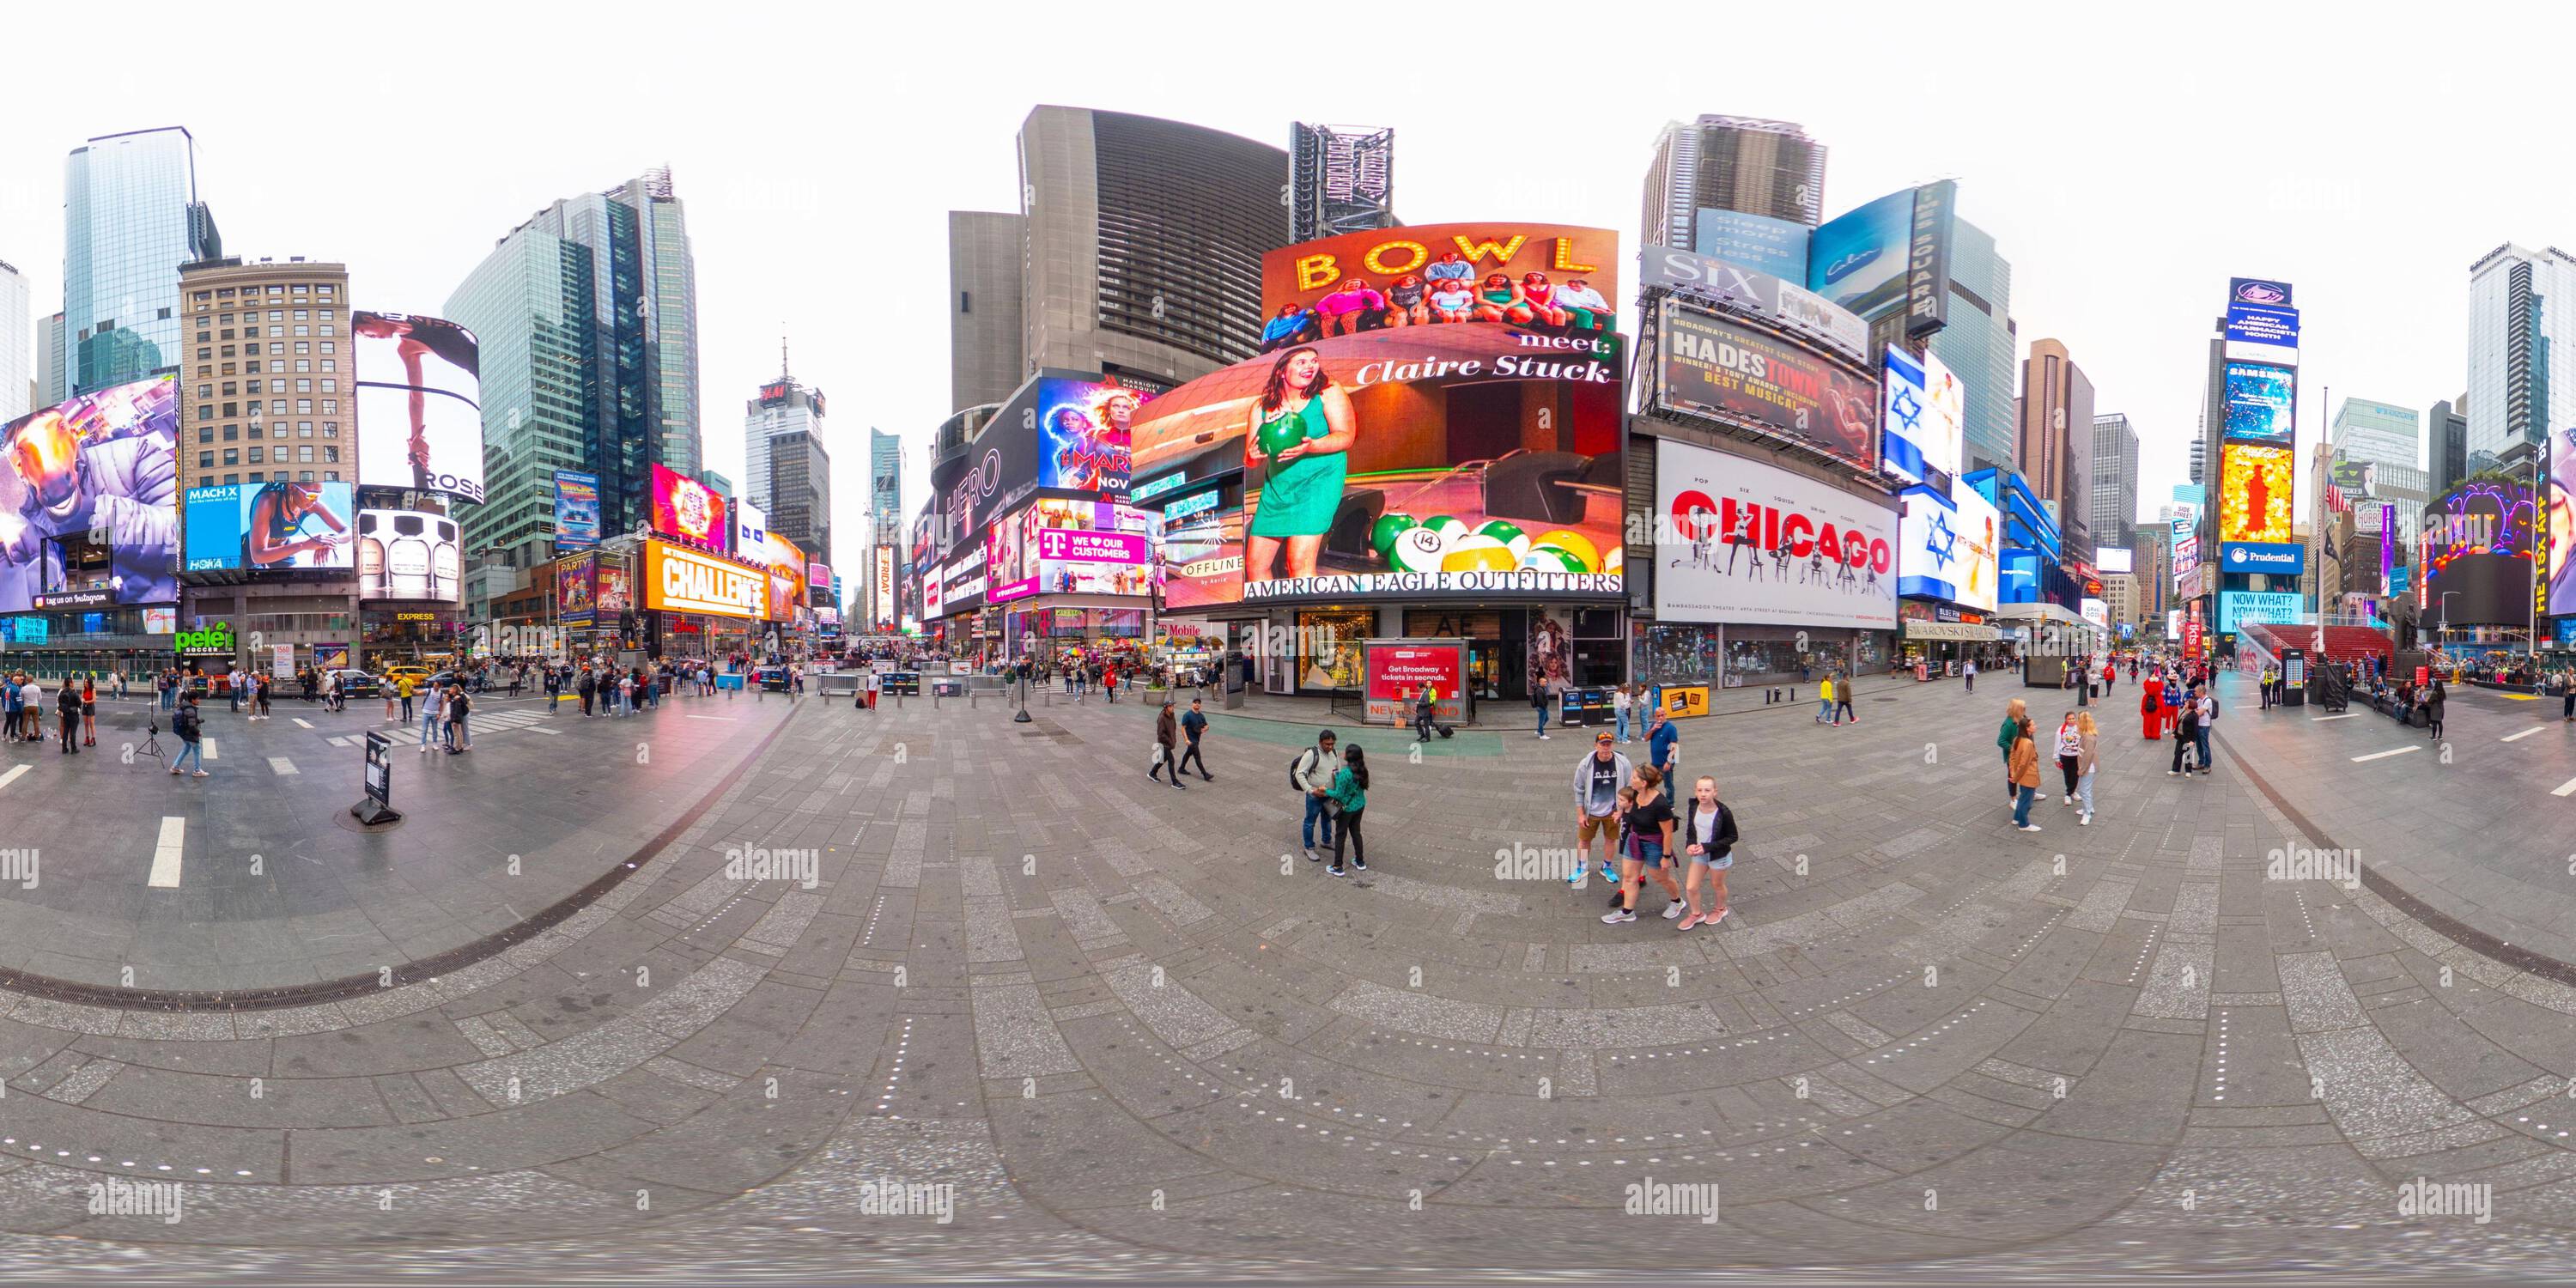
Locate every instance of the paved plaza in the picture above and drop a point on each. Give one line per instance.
(813, 993)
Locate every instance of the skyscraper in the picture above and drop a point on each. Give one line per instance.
(2115, 481)
(984, 326)
(885, 477)
(790, 473)
(2199, 460)
(1981, 344)
(2447, 461)
(131, 217)
(784, 404)
(2521, 333)
(587, 314)
(2054, 447)
(50, 367)
(1739, 164)
(17, 345)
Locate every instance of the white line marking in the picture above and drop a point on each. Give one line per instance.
(209, 745)
(2345, 716)
(12, 775)
(2566, 788)
(551, 733)
(284, 766)
(166, 854)
(301, 722)
(2517, 737)
(711, 717)
(2383, 755)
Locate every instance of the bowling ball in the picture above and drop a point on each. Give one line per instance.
(1573, 543)
(1388, 527)
(1416, 550)
(1477, 553)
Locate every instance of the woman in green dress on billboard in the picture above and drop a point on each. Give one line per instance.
(1297, 440)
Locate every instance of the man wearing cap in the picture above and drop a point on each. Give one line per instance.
(1597, 780)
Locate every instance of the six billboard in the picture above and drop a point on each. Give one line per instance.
(1714, 367)
(419, 391)
(576, 510)
(89, 496)
(1738, 540)
(1773, 300)
(276, 526)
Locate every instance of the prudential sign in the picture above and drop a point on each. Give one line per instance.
(2281, 557)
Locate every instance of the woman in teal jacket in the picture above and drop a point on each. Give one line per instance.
(1350, 791)
(1296, 441)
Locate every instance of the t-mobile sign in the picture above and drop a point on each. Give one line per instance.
(1079, 546)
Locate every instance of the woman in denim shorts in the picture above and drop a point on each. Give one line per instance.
(1706, 833)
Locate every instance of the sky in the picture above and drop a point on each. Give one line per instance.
(2127, 169)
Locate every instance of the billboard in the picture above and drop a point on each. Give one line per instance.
(1714, 367)
(2237, 607)
(1202, 557)
(277, 526)
(818, 586)
(1980, 544)
(576, 601)
(420, 423)
(89, 496)
(1774, 246)
(1341, 179)
(1554, 278)
(1441, 461)
(1084, 435)
(1738, 540)
(576, 510)
(1082, 548)
(2262, 402)
(681, 580)
(1932, 557)
(2254, 490)
(2478, 546)
(1923, 418)
(2115, 561)
(1779, 302)
(2561, 528)
(411, 555)
(2262, 324)
(885, 583)
(2257, 290)
(786, 562)
(1891, 254)
(689, 510)
(750, 527)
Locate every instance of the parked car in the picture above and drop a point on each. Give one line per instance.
(419, 674)
(355, 683)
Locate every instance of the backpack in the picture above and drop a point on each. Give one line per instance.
(1293, 763)
(184, 723)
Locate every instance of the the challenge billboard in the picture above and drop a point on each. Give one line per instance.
(678, 579)
(1738, 540)
(1550, 277)
(576, 510)
(1446, 461)
(409, 555)
(89, 496)
(1711, 366)
(2262, 402)
(689, 510)
(276, 526)
(420, 423)
(2254, 490)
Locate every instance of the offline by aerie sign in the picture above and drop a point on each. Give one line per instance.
(690, 583)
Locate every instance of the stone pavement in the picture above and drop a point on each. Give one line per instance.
(1038, 1014)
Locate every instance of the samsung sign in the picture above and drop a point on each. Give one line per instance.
(2284, 558)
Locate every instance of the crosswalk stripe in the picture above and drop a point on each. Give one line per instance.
(2566, 788)
(2517, 737)
(168, 852)
(301, 722)
(12, 775)
(2383, 755)
(209, 745)
(551, 733)
(282, 765)
(2345, 716)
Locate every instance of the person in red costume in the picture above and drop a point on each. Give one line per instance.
(2152, 707)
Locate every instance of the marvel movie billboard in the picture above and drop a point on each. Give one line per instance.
(1711, 366)
(1549, 277)
(1445, 461)
(89, 497)
(420, 423)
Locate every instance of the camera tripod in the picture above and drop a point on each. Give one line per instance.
(151, 737)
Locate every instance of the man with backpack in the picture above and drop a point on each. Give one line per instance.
(588, 687)
(190, 727)
(1311, 774)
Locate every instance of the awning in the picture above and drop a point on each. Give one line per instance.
(1951, 631)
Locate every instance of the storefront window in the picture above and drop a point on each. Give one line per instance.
(1675, 654)
(1328, 646)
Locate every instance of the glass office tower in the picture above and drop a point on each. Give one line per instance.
(131, 217)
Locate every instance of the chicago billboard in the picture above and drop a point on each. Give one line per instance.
(1738, 540)
(1711, 366)
(89, 497)
(420, 423)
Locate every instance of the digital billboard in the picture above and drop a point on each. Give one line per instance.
(2254, 491)
(689, 510)
(1932, 556)
(1448, 461)
(2287, 559)
(409, 555)
(576, 510)
(2478, 546)
(2258, 290)
(1083, 547)
(89, 496)
(1553, 278)
(786, 562)
(2115, 561)
(1084, 435)
(1980, 547)
(2263, 324)
(2276, 607)
(1774, 246)
(276, 526)
(1202, 557)
(420, 423)
(1923, 418)
(1738, 540)
(2262, 402)
(1714, 367)
(885, 584)
(1780, 302)
(681, 580)
(2561, 528)
(1889, 255)
(576, 602)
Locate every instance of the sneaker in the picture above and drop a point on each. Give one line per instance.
(1576, 882)
(1691, 920)
(1360, 863)
(2171, 772)
(1542, 735)
(1309, 852)
(2085, 820)
(2030, 827)
(1717, 916)
(1672, 910)
(1620, 917)
(1336, 870)
(200, 774)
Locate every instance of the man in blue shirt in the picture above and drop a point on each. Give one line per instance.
(1664, 748)
(1193, 724)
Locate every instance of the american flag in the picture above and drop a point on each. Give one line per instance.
(2336, 501)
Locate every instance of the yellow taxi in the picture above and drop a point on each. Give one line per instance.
(396, 674)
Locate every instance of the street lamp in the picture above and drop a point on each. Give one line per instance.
(2446, 614)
